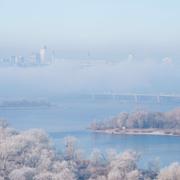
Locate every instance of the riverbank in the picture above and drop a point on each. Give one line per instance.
(162, 132)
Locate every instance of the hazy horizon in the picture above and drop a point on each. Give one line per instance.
(148, 31)
(75, 77)
(107, 29)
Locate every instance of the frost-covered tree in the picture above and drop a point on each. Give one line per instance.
(99, 178)
(29, 155)
(154, 166)
(142, 120)
(171, 172)
(133, 175)
(123, 167)
(96, 157)
(70, 146)
(24, 173)
(111, 154)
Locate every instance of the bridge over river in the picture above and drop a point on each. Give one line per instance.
(138, 98)
(128, 97)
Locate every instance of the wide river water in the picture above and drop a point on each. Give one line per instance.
(73, 116)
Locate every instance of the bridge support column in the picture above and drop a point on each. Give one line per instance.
(135, 98)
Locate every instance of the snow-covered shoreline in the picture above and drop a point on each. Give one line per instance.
(160, 132)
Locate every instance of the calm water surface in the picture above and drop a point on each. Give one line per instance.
(73, 117)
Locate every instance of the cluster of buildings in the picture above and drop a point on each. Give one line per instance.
(35, 59)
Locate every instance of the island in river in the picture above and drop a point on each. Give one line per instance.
(141, 123)
(167, 132)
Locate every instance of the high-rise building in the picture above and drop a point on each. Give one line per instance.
(13, 60)
(34, 59)
(21, 61)
(43, 55)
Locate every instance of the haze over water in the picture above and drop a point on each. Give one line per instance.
(99, 47)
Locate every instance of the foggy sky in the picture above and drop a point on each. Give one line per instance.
(105, 28)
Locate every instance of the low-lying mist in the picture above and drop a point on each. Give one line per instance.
(74, 76)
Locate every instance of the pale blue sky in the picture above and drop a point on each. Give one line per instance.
(100, 26)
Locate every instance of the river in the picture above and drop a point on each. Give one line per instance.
(72, 117)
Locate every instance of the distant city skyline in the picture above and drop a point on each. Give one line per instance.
(47, 56)
(43, 57)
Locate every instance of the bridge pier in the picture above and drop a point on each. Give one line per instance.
(135, 98)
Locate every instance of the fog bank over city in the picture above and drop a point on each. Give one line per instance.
(91, 76)
(89, 31)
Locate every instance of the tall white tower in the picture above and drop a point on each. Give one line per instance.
(43, 55)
